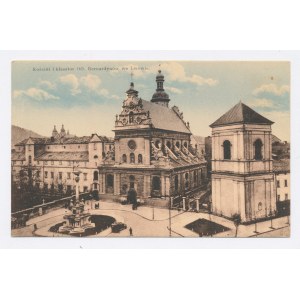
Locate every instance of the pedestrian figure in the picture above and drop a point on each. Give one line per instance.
(34, 226)
(130, 231)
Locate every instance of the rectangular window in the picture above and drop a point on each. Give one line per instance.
(285, 183)
(60, 175)
(52, 162)
(46, 174)
(69, 175)
(52, 175)
(38, 162)
(85, 189)
(37, 173)
(278, 183)
(286, 197)
(84, 176)
(46, 186)
(60, 162)
(278, 197)
(45, 163)
(69, 163)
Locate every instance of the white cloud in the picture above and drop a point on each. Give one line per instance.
(47, 85)
(91, 81)
(72, 81)
(261, 102)
(272, 89)
(35, 94)
(173, 90)
(175, 72)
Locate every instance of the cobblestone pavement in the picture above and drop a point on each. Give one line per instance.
(154, 222)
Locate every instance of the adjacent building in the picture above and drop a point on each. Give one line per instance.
(242, 169)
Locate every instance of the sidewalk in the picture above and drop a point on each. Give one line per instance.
(154, 222)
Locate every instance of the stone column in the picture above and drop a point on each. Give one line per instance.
(147, 186)
(117, 184)
(167, 181)
(183, 203)
(162, 185)
(102, 184)
(197, 204)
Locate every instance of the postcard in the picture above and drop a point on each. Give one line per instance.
(172, 149)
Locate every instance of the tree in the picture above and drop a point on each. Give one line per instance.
(236, 218)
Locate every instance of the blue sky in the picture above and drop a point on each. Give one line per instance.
(86, 101)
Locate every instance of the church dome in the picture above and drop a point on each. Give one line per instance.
(160, 95)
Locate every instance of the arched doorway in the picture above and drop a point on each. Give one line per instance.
(109, 183)
(156, 186)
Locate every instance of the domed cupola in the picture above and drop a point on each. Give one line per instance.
(132, 92)
(160, 96)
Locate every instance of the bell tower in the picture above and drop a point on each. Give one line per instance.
(160, 96)
(242, 171)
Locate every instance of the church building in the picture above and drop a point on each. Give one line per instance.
(152, 150)
(242, 171)
(151, 153)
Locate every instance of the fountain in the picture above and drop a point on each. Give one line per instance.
(78, 221)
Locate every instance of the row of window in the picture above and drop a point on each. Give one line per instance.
(60, 175)
(257, 149)
(60, 187)
(132, 158)
(286, 197)
(285, 183)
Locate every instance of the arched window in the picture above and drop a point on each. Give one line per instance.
(132, 158)
(156, 183)
(110, 180)
(131, 181)
(29, 159)
(185, 144)
(131, 117)
(176, 183)
(140, 158)
(95, 175)
(124, 158)
(258, 149)
(169, 144)
(177, 144)
(227, 149)
(157, 143)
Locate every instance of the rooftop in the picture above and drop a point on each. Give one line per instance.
(241, 114)
(281, 166)
(165, 118)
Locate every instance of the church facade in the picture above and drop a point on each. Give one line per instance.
(242, 170)
(151, 152)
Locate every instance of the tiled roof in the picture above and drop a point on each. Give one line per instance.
(241, 113)
(281, 166)
(164, 118)
(70, 140)
(76, 156)
(40, 141)
(17, 155)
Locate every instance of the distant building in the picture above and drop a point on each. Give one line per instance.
(282, 182)
(280, 149)
(242, 171)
